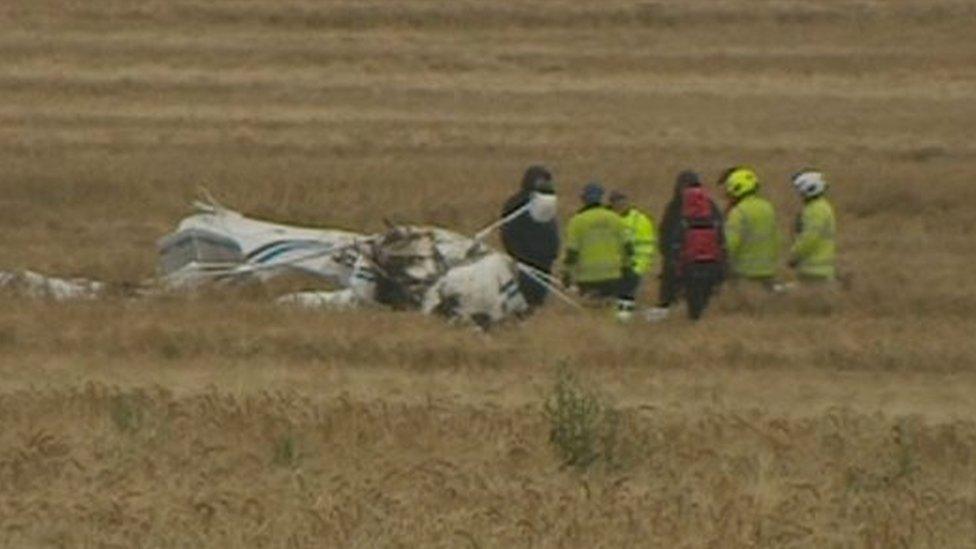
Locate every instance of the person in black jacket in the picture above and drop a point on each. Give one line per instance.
(671, 240)
(528, 240)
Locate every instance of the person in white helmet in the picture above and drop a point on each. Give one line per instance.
(814, 247)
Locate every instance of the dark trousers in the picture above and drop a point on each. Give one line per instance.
(700, 280)
(533, 292)
(767, 283)
(669, 289)
(696, 282)
(602, 288)
(630, 283)
(814, 280)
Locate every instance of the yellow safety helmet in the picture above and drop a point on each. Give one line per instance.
(740, 182)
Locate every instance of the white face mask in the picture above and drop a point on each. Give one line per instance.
(543, 207)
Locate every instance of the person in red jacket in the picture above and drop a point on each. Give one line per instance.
(692, 244)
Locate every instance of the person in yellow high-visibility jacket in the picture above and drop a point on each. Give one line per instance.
(642, 236)
(814, 249)
(751, 237)
(597, 250)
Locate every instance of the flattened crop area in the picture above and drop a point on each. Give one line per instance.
(809, 420)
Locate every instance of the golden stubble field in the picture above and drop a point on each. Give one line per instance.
(841, 420)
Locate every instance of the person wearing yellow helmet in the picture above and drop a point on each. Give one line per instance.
(750, 230)
(741, 182)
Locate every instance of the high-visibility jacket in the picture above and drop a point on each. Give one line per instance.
(596, 245)
(752, 239)
(643, 240)
(815, 247)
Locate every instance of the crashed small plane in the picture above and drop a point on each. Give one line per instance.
(407, 267)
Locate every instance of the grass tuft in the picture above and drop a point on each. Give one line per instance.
(582, 428)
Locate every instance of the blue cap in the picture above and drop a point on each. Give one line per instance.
(592, 193)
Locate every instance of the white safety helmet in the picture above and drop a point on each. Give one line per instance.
(809, 183)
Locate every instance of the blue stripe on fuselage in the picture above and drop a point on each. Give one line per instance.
(270, 251)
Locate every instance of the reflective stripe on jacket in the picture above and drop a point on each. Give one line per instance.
(596, 240)
(752, 238)
(814, 250)
(643, 239)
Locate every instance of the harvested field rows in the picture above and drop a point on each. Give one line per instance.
(813, 420)
(352, 473)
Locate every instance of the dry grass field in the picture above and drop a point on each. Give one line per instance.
(812, 420)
